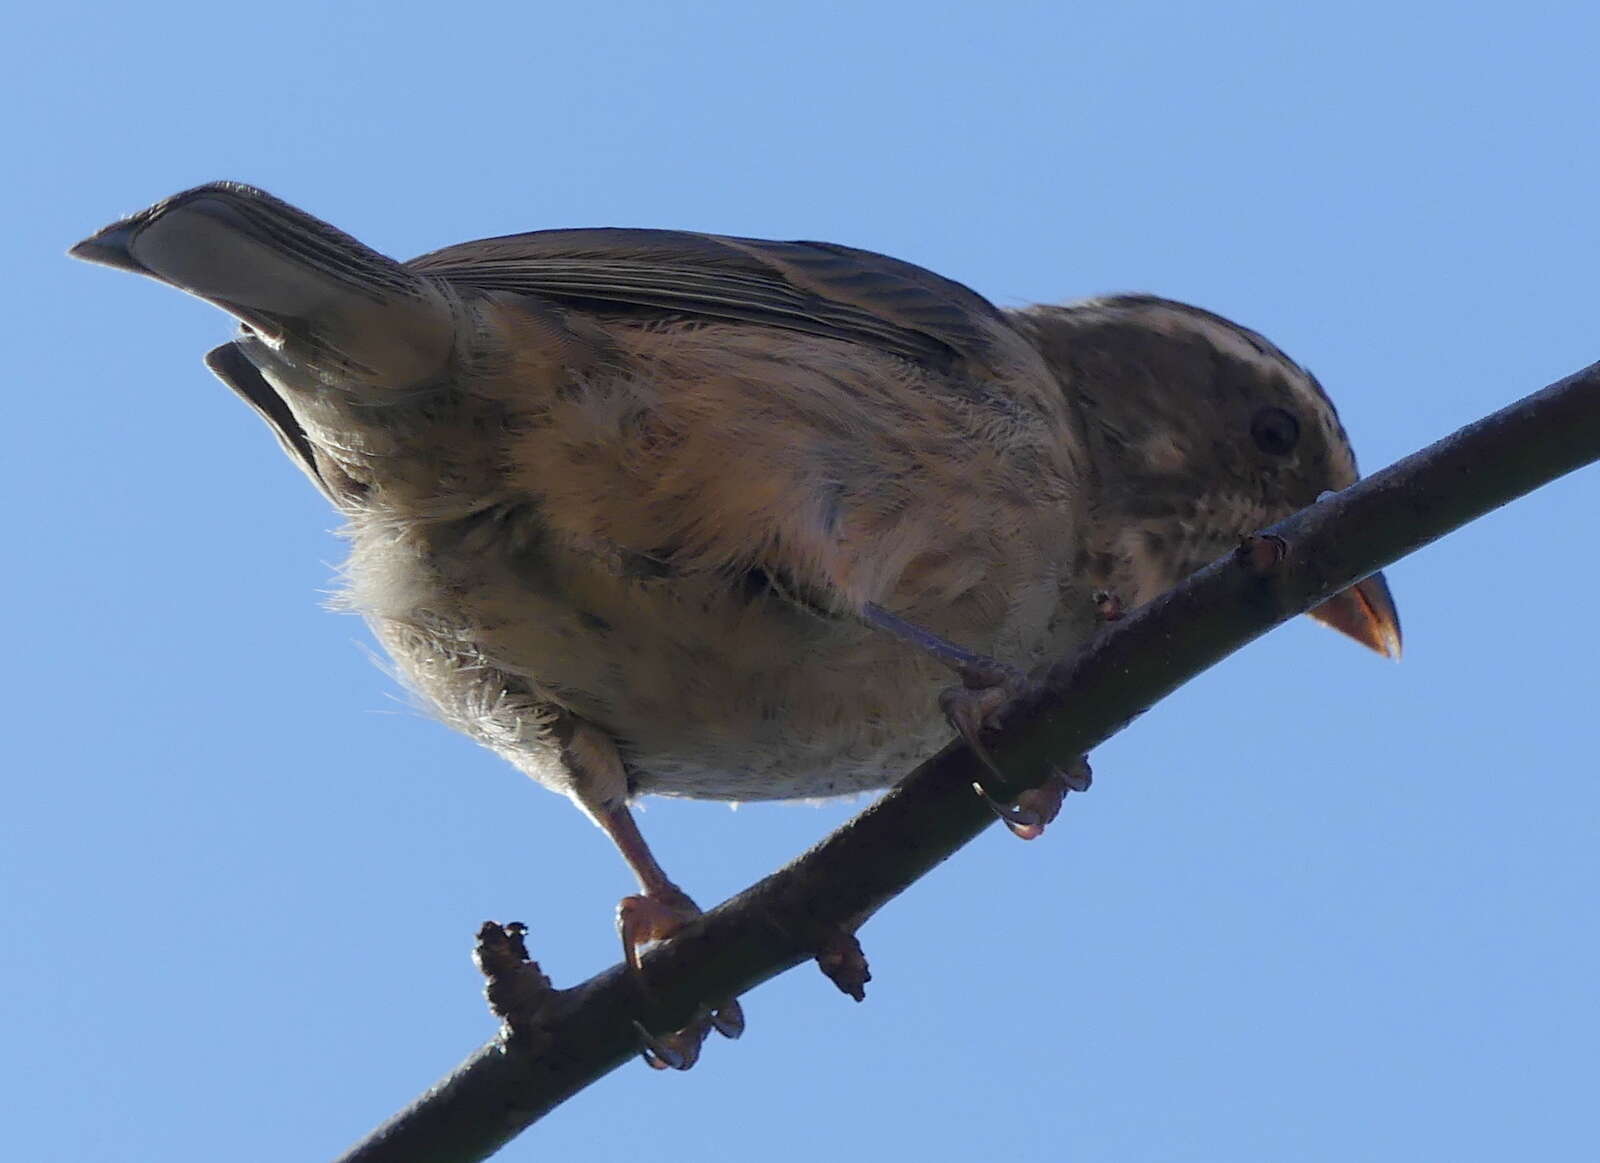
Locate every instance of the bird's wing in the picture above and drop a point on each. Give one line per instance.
(817, 288)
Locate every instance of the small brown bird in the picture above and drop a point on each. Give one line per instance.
(656, 512)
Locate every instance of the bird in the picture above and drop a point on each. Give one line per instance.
(652, 512)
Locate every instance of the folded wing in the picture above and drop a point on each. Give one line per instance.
(813, 287)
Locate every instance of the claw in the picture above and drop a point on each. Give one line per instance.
(1030, 812)
(681, 1049)
(677, 1051)
(655, 917)
(1078, 776)
(1025, 823)
(728, 1019)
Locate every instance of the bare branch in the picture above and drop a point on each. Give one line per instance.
(577, 1035)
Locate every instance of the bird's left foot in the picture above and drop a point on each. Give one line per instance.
(681, 1049)
(654, 916)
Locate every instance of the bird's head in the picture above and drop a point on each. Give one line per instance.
(1201, 432)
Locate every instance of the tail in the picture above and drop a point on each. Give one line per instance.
(309, 292)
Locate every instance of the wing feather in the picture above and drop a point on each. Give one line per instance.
(818, 288)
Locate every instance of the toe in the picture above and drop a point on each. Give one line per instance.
(677, 1051)
(681, 1050)
(1024, 821)
(979, 704)
(728, 1019)
(655, 916)
(1028, 815)
(651, 917)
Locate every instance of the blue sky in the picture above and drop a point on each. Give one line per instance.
(239, 875)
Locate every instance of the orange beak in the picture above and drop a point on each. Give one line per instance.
(1366, 613)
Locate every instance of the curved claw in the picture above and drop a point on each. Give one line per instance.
(1078, 776)
(728, 1019)
(674, 1052)
(1024, 823)
(657, 916)
(681, 1050)
(1028, 815)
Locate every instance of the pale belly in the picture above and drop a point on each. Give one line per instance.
(708, 693)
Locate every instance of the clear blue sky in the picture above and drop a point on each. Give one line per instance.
(1317, 907)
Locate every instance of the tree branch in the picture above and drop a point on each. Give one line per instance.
(575, 1036)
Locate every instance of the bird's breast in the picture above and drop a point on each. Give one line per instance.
(711, 688)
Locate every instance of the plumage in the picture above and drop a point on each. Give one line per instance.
(623, 503)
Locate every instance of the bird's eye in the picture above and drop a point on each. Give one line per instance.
(1275, 431)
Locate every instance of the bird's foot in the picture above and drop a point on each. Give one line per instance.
(1030, 812)
(656, 916)
(653, 916)
(987, 688)
(681, 1050)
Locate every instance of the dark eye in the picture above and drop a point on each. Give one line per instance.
(1275, 431)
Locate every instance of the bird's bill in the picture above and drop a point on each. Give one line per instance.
(1366, 613)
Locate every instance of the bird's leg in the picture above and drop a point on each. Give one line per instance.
(600, 783)
(663, 908)
(654, 915)
(975, 670)
(1028, 814)
(988, 686)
